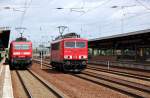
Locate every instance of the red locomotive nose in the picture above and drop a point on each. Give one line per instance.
(71, 52)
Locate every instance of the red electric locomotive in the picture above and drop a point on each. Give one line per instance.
(69, 53)
(20, 53)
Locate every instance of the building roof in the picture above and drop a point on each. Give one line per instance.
(126, 40)
(122, 35)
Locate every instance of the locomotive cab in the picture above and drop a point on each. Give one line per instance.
(20, 54)
(69, 54)
(75, 54)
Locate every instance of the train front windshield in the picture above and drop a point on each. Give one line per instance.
(21, 46)
(75, 44)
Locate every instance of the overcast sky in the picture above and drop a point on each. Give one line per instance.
(89, 18)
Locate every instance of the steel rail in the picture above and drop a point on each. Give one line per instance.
(109, 86)
(137, 76)
(43, 83)
(127, 83)
(24, 86)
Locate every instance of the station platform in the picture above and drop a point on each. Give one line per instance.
(125, 64)
(6, 90)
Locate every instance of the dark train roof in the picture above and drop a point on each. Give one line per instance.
(68, 35)
(4, 38)
(21, 39)
(140, 38)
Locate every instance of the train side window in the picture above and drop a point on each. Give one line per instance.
(55, 46)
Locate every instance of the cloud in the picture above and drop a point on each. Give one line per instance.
(98, 20)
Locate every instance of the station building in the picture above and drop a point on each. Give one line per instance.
(132, 46)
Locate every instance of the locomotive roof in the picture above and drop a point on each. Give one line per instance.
(64, 39)
(21, 41)
(68, 35)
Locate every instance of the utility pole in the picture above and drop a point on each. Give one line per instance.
(21, 35)
(41, 51)
(41, 58)
(61, 29)
(123, 14)
(81, 29)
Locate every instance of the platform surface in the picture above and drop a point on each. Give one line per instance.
(6, 90)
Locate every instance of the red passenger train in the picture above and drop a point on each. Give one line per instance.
(69, 54)
(20, 53)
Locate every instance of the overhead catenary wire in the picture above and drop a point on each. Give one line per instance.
(82, 6)
(126, 18)
(26, 6)
(81, 9)
(106, 1)
(138, 1)
(133, 16)
(114, 27)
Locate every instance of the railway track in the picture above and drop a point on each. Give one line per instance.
(35, 87)
(24, 87)
(116, 72)
(131, 88)
(127, 74)
(122, 69)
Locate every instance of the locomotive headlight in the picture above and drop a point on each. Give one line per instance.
(67, 57)
(26, 53)
(83, 57)
(16, 53)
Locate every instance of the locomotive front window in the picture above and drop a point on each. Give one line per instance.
(21, 47)
(69, 44)
(75, 44)
(80, 44)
